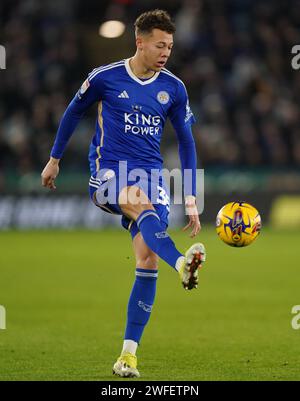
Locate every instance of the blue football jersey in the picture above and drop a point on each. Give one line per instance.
(132, 113)
(131, 116)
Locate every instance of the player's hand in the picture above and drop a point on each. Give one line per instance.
(49, 173)
(192, 212)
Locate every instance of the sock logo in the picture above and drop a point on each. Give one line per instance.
(145, 307)
(162, 234)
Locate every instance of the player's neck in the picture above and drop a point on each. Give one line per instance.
(139, 69)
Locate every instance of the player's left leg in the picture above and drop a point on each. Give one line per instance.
(140, 305)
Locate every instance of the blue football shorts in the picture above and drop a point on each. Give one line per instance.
(106, 185)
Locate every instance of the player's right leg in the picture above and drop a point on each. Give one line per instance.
(139, 308)
(135, 204)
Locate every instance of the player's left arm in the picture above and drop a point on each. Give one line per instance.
(188, 158)
(182, 119)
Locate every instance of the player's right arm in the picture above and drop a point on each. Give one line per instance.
(91, 91)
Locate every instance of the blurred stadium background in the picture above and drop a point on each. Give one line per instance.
(235, 58)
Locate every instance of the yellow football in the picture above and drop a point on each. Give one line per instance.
(238, 224)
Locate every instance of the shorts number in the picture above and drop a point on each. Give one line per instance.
(163, 198)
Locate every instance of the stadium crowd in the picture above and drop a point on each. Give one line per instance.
(235, 58)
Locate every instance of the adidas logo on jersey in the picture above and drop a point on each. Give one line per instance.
(124, 95)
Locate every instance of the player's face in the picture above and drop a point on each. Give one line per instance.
(156, 49)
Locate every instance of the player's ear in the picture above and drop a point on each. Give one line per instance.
(139, 43)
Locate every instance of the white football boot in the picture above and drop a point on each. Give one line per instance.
(194, 258)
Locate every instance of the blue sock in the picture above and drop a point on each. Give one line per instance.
(140, 303)
(156, 237)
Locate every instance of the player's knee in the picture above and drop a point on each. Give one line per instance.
(133, 201)
(153, 262)
(148, 262)
(134, 196)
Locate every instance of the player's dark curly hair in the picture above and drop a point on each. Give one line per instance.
(158, 19)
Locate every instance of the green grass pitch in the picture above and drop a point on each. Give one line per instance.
(66, 293)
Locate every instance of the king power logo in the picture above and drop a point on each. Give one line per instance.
(141, 124)
(2, 58)
(2, 318)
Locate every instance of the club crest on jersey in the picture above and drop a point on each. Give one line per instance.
(163, 97)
